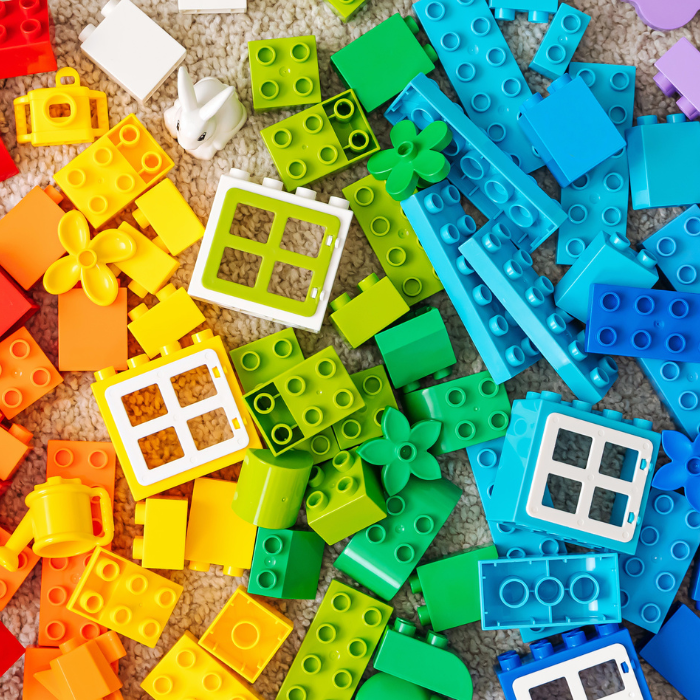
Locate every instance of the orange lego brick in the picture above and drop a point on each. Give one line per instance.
(14, 447)
(29, 236)
(37, 659)
(11, 581)
(26, 373)
(91, 337)
(246, 634)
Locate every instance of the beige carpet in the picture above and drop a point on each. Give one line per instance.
(216, 46)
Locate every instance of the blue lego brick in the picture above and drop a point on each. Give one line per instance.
(609, 259)
(663, 161)
(569, 660)
(579, 589)
(479, 169)
(509, 274)
(598, 200)
(569, 129)
(675, 650)
(637, 322)
(440, 223)
(676, 248)
(694, 590)
(543, 434)
(537, 10)
(482, 70)
(651, 577)
(560, 42)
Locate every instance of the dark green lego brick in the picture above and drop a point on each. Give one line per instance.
(346, 9)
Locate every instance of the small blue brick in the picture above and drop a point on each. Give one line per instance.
(537, 10)
(569, 129)
(694, 590)
(560, 42)
(637, 322)
(488, 81)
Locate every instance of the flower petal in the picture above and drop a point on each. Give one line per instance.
(100, 284)
(381, 164)
(670, 477)
(62, 275)
(402, 181)
(676, 445)
(395, 425)
(112, 246)
(395, 476)
(692, 492)
(425, 433)
(435, 137)
(74, 232)
(431, 166)
(378, 451)
(425, 466)
(404, 131)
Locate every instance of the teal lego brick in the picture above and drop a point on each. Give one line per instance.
(346, 9)
(537, 10)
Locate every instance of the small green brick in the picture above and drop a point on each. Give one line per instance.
(346, 9)
(365, 424)
(450, 588)
(284, 73)
(377, 306)
(286, 564)
(471, 409)
(322, 447)
(321, 140)
(344, 497)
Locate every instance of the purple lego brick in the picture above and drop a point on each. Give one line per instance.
(665, 14)
(679, 72)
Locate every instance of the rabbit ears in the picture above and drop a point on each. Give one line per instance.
(188, 98)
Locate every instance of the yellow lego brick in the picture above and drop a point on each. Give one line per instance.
(215, 534)
(175, 316)
(164, 523)
(171, 217)
(187, 671)
(246, 634)
(107, 177)
(124, 597)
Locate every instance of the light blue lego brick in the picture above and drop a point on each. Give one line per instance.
(609, 259)
(578, 589)
(532, 634)
(509, 274)
(477, 164)
(663, 162)
(440, 223)
(651, 577)
(694, 590)
(676, 248)
(482, 70)
(560, 42)
(537, 10)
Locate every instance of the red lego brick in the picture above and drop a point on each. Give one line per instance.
(7, 165)
(16, 308)
(10, 649)
(26, 35)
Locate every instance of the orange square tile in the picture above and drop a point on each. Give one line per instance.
(11, 581)
(14, 447)
(37, 659)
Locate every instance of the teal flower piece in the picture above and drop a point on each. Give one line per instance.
(403, 450)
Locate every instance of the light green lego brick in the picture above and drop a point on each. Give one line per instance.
(262, 360)
(365, 424)
(471, 409)
(346, 9)
(392, 239)
(284, 73)
(322, 447)
(321, 140)
(338, 646)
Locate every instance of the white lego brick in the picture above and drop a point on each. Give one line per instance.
(203, 7)
(131, 49)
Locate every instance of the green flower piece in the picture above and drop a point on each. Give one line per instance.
(415, 159)
(403, 450)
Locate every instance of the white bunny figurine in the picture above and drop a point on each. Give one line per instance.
(205, 117)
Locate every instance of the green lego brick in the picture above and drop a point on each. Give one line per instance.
(321, 140)
(383, 556)
(450, 589)
(286, 564)
(338, 646)
(382, 686)
(471, 409)
(346, 9)
(284, 73)
(377, 306)
(343, 498)
(322, 447)
(365, 424)
(381, 63)
(417, 348)
(262, 360)
(303, 401)
(392, 239)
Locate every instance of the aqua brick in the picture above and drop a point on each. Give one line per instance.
(537, 10)
(560, 42)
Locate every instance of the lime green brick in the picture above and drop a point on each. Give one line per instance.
(377, 306)
(322, 447)
(392, 239)
(471, 409)
(321, 140)
(346, 9)
(284, 73)
(343, 497)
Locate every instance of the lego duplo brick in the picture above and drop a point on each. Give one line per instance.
(37, 659)
(381, 62)
(15, 445)
(569, 129)
(638, 322)
(694, 588)
(346, 9)
(206, 7)
(10, 581)
(162, 545)
(677, 74)
(17, 308)
(450, 589)
(322, 447)
(10, 649)
(471, 409)
(382, 686)
(8, 168)
(321, 140)
(598, 200)
(383, 556)
(665, 16)
(284, 73)
(662, 160)
(528, 297)
(488, 82)
(27, 29)
(286, 564)
(537, 10)
(338, 645)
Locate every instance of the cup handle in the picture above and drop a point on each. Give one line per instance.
(105, 515)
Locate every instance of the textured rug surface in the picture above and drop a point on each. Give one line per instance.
(217, 45)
